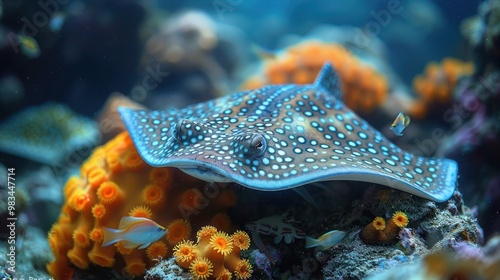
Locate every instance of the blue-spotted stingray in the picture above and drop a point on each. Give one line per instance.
(281, 137)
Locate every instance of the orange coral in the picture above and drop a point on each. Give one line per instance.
(222, 243)
(221, 221)
(98, 211)
(225, 275)
(109, 193)
(384, 232)
(96, 235)
(436, 84)
(243, 269)
(364, 88)
(400, 219)
(157, 249)
(204, 234)
(241, 240)
(153, 195)
(201, 269)
(141, 211)
(185, 253)
(177, 231)
(378, 223)
(114, 182)
(216, 255)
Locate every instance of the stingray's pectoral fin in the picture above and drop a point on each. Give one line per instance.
(151, 133)
(206, 174)
(434, 179)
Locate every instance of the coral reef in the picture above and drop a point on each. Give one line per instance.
(45, 198)
(384, 232)
(363, 86)
(110, 123)
(46, 133)
(432, 228)
(473, 118)
(192, 51)
(263, 263)
(30, 255)
(435, 86)
(166, 270)
(483, 263)
(115, 182)
(216, 255)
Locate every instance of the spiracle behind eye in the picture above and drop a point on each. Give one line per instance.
(183, 129)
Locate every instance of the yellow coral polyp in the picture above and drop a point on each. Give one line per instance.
(73, 183)
(122, 250)
(96, 177)
(221, 221)
(96, 235)
(243, 269)
(108, 193)
(188, 197)
(78, 257)
(400, 219)
(178, 230)
(185, 252)
(378, 223)
(221, 243)
(141, 211)
(205, 233)
(218, 248)
(161, 176)
(113, 161)
(102, 256)
(201, 269)
(54, 245)
(224, 275)
(133, 160)
(98, 211)
(91, 204)
(157, 250)
(241, 240)
(152, 195)
(80, 201)
(81, 238)
(136, 268)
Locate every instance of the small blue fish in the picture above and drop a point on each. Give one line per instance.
(400, 123)
(133, 232)
(57, 22)
(325, 241)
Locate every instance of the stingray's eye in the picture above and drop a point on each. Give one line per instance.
(183, 130)
(256, 145)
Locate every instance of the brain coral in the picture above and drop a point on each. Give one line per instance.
(364, 88)
(115, 182)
